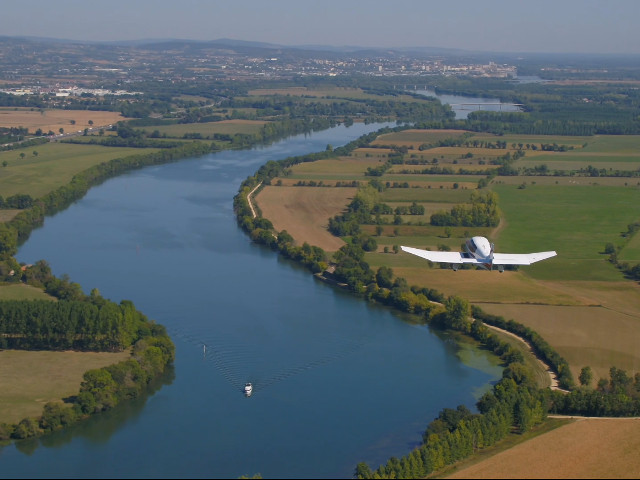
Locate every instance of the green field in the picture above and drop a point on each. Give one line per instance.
(54, 165)
(576, 221)
(28, 379)
(208, 129)
(22, 291)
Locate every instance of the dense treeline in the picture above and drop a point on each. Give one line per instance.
(482, 212)
(131, 142)
(299, 107)
(97, 325)
(17, 201)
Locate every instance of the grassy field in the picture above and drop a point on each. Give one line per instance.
(30, 379)
(22, 292)
(53, 119)
(54, 165)
(207, 130)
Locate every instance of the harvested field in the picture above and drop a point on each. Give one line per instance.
(28, 379)
(304, 212)
(586, 448)
(53, 120)
(585, 336)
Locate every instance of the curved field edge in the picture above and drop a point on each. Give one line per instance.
(30, 379)
(582, 448)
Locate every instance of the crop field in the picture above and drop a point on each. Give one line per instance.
(589, 448)
(30, 379)
(590, 335)
(54, 119)
(341, 166)
(304, 212)
(570, 298)
(52, 165)
(228, 127)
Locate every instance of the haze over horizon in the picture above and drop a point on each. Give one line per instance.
(544, 26)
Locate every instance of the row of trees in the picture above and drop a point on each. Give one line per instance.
(96, 325)
(298, 107)
(17, 201)
(482, 212)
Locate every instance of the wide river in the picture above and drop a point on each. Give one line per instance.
(336, 380)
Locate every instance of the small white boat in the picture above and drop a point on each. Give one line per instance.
(248, 389)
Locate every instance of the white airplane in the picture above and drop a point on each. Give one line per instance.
(480, 252)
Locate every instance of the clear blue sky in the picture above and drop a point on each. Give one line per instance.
(574, 26)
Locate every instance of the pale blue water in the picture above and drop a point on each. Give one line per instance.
(462, 106)
(336, 380)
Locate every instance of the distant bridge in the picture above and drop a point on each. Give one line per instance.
(467, 106)
(482, 104)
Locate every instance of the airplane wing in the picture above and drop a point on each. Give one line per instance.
(520, 258)
(441, 257)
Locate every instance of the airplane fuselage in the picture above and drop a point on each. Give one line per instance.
(481, 249)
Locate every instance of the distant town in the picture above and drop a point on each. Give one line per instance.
(68, 69)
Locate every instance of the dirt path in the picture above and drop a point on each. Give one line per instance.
(552, 375)
(253, 210)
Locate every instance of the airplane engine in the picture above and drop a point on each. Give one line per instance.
(501, 268)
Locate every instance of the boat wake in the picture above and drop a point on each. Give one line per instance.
(239, 363)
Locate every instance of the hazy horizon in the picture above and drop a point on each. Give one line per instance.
(544, 26)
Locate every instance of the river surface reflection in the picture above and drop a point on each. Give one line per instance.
(336, 380)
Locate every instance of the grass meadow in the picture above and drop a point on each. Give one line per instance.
(208, 129)
(21, 291)
(54, 165)
(28, 379)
